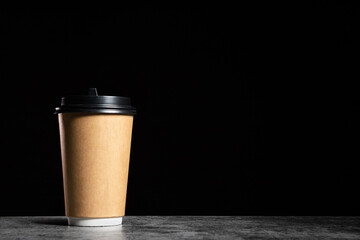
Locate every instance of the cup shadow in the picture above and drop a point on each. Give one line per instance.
(59, 221)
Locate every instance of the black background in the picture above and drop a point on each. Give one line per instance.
(247, 109)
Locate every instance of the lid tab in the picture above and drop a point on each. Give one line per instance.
(93, 92)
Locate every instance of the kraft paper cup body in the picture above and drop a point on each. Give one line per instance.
(95, 151)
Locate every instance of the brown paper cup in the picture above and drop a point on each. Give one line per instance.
(95, 151)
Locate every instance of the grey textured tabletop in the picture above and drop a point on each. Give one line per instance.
(186, 227)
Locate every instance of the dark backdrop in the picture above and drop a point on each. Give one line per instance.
(247, 109)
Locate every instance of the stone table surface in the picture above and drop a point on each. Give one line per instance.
(186, 227)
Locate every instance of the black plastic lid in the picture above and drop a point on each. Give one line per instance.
(92, 103)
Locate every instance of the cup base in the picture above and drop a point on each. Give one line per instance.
(94, 222)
